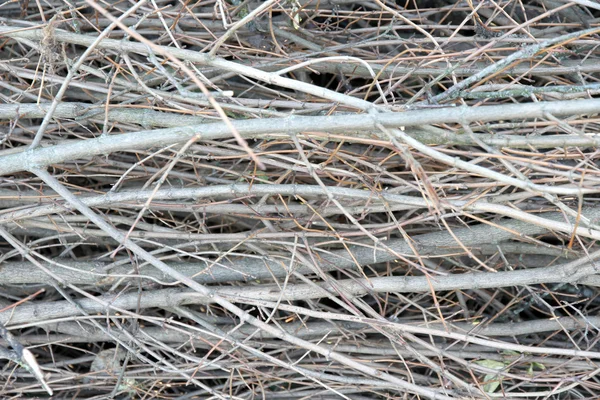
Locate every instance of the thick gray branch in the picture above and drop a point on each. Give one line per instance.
(150, 118)
(564, 273)
(262, 268)
(250, 128)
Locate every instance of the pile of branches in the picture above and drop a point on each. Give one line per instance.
(283, 199)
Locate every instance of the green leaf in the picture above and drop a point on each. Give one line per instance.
(535, 365)
(262, 176)
(538, 365)
(491, 382)
(492, 364)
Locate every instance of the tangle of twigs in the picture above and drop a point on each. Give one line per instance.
(299, 199)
